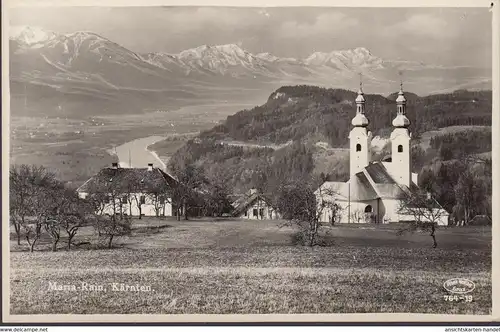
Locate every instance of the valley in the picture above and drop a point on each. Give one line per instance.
(77, 148)
(76, 97)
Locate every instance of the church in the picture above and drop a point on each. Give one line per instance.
(372, 193)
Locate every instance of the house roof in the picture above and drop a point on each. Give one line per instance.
(244, 201)
(141, 179)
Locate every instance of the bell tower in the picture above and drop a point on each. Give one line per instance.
(359, 137)
(401, 142)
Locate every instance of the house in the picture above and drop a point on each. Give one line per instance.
(374, 190)
(131, 191)
(253, 205)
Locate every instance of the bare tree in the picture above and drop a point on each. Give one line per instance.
(74, 213)
(20, 196)
(298, 203)
(31, 200)
(131, 187)
(470, 194)
(106, 196)
(336, 211)
(55, 204)
(423, 210)
(139, 200)
(159, 195)
(111, 227)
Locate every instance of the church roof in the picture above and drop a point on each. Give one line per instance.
(378, 173)
(357, 189)
(373, 182)
(361, 189)
(388, 190)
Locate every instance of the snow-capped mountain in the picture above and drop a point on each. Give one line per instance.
(354, 59)
(31, 36)
(85, 60)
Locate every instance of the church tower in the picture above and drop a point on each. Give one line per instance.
(359, 137)
(400, 141)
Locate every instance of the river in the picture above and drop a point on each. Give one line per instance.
(136, 154)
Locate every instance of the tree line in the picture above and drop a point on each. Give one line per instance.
(41, 204)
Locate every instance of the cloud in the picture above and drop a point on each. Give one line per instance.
(223, 18)
(327, 23)
(424, 25)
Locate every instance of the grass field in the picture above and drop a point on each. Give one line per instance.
(233, 266)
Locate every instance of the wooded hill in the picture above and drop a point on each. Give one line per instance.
(300, 117)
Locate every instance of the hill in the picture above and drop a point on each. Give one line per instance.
(314, 124)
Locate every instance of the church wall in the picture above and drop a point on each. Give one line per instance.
(401, 160)
(356, 212)
(359, 155)
(391, 207)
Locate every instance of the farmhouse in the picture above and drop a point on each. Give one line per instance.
(131, 191)
(253, 205)
(374, 190)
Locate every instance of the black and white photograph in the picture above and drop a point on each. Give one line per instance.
(218, 160)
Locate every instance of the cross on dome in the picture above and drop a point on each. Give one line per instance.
(360, 119)
(401, 121)
(360, 98)
(401, 95)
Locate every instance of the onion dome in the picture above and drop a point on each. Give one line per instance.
(401, 121)
(360, 120)
(401, 96)
(360, 98)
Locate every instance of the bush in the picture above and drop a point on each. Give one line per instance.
(298, 239)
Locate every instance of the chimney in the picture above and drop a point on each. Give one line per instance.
(114, 165)
(150, 167)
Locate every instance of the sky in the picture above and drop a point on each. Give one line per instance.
(445, 36)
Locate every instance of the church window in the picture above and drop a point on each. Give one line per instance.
(400, 148)
(358, 147)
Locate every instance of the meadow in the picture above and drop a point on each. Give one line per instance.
(239, 267)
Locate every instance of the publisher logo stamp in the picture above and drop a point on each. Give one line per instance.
(458, 289)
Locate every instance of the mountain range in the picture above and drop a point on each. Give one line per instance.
(52, 68)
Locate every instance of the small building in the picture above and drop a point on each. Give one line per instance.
(253, 205)
(131, 191)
